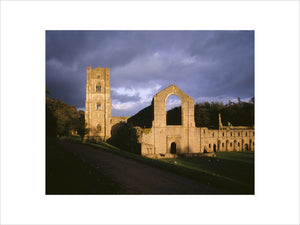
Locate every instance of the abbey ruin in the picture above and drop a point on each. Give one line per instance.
(161, 139)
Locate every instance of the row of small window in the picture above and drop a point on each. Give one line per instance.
(238, 144)
(223, 134)
(230, 144)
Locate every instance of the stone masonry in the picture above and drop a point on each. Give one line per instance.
(167, 140)
(161, 139)
(97, 104)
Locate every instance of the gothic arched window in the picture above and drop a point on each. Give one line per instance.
(98, 88)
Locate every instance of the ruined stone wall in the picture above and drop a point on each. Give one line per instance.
(185, 136)
(188, 138)
(146, 138)
(233, 139)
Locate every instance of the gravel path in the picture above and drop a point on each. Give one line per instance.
(135, 177)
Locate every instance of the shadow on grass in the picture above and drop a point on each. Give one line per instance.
(68, 174)
(233, 176)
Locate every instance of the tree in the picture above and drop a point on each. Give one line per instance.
(81, 129)
(47, 91)
(63, 117)
(239, 100)
(126, 138)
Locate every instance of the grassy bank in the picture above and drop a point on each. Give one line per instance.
(68, 174)
(230, 171)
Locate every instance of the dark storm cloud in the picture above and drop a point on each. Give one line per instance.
(207, 65)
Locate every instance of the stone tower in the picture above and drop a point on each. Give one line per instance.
(98, 104)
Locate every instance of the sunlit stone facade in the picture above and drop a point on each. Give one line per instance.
(161, 139)
(167, 140)
(97, 104)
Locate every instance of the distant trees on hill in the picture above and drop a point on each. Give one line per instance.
(143, 118)
(206, 114)
(238, 114)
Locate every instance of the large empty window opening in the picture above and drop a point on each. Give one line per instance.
(173, 107)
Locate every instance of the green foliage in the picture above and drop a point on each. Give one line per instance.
(51, 122)
(63, 119)
(126, 138)
(230, 170)
(238, 114)
(146, 130)
(81, 129)
(47, 91)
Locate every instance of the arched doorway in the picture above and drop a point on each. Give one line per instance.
(215, 148)
(246, 147)
(173, 148)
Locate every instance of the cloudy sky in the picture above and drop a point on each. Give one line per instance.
(206, 65)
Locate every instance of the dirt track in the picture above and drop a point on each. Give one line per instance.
(135, 177)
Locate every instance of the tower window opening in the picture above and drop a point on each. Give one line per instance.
(98, 106)
(98, 88)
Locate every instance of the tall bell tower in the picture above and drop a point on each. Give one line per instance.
(98, 104)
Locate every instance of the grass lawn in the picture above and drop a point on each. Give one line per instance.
(68, 174)
(230, 171)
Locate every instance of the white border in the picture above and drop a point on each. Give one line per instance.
(276, 25)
